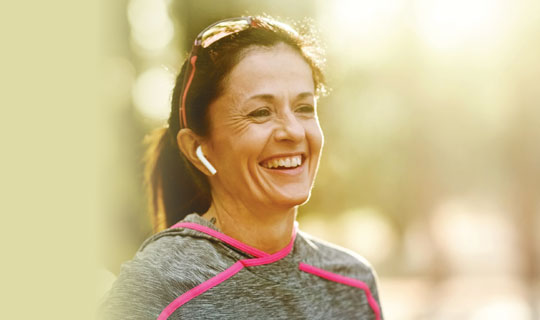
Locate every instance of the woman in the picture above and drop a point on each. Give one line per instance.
(242, 149)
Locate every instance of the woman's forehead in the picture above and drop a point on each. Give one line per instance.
(270, 71)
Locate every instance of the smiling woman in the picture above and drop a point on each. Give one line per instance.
(262, 123)
(225, 178)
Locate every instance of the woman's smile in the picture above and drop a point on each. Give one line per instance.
(283, 162)
(285, 166)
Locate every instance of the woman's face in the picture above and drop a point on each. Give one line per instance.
(265, 139)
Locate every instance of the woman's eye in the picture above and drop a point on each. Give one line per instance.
(306, 109)
(260, 113)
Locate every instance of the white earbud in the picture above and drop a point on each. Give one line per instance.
(205, 162)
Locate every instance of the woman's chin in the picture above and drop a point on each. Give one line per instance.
(291, 200)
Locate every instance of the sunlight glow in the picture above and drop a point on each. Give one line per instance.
(503, 308)
(474, 237)
(151, 27)
(446, 24)
(367, 232)
(365, 28)
(151, 93)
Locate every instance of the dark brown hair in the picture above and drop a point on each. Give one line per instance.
(175, 187)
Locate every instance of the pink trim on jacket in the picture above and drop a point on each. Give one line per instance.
(223, 237)
(262, 258)
(344, 280)
(203, 287)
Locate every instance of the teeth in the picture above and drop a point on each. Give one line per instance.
(287, 162)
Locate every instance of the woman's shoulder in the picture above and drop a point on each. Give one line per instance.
(167, 264)
(332, 257)
(184, 247)
(174, 252)
(176, 243)
(341, 265)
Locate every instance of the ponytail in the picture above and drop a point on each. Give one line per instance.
(174, 186)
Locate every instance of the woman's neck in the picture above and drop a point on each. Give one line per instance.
(268, 231)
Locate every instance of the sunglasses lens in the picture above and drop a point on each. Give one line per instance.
(221, 30)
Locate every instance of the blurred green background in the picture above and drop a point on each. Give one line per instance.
(431, 168)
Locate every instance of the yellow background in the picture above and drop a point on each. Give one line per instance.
(50, 133)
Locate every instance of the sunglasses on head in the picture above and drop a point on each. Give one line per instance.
(214, 33)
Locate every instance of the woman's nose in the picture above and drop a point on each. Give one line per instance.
(290, 128)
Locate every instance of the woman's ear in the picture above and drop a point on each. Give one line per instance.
(188, 142)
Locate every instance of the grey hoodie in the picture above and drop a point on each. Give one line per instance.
(192, 271)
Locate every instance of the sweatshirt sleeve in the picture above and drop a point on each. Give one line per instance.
(163, 269)
(138, 293)
(159, 273)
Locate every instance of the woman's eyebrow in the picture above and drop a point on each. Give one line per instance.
(270, 97)
(263, 96)
(306, 94)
